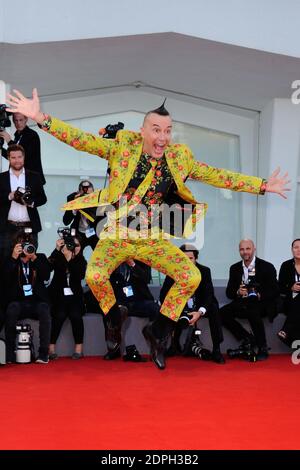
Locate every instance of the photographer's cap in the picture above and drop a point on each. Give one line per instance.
(85, 184)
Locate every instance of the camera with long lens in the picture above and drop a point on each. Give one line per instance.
(24, 345)
(244, 351)
(197, 348)
(68, 235)
(26, 242)
(184, 319)
(110, 131)
(23, 196)
(4, 121)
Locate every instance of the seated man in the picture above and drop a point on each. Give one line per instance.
(130, 283)
(203, 302)
(253, 288)
(26, 295)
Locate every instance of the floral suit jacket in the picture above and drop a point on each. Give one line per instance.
(123, 153)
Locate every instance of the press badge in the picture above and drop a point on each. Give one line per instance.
(27, 289)
(90, 232)
(128, 291)
(68, 291)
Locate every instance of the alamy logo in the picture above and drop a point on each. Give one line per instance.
(296, 354)
(296, 94)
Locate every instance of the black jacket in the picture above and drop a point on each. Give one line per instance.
(14, 279)
(286, 280)
(70, 218)
(30, 141)
(204, 295)
(33, 180)
(138, 277)
(265, 276)
(76, 267)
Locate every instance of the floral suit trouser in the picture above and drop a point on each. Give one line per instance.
(160, 254)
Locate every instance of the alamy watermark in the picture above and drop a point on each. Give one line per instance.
(296, 354)
(295, 98)
(137, 221)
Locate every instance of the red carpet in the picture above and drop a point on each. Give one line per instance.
(94, 404)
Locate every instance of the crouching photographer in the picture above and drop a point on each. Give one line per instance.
(26, 295)
(82, 221)
(203, 303)
(65, 290)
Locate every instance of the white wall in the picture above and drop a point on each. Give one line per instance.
(269, 25)
(279, 146)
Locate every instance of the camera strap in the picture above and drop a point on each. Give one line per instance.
(68, 290)
(25, 268)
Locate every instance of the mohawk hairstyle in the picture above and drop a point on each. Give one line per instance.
(161, 111)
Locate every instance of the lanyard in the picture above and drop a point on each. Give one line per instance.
(25, 268)
(297, 276)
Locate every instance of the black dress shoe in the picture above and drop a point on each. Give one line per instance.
(217, 357)
(157, 347)
(262, 354)
(133, 355)
(112, 354)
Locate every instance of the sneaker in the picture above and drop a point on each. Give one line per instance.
(42, 359)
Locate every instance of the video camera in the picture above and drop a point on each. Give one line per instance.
(68, 235)
(26, 242)
(23, 196)
(4, 121)
(111, 130)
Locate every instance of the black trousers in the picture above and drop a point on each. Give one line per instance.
(292, 323)
(250, 309)
(143, 309)
(19, 310)
(70, 308)
(215, 325)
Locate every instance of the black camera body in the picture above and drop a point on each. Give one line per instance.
(26, 242)
(252, 285)
(23, 196)
(68, 235)
(4, 121)
(112, 129)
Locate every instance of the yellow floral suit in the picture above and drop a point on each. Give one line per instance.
(123, 154)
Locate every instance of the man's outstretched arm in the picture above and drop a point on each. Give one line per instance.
(222, 178)
(76, 138)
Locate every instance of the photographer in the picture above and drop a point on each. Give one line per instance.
(130, 284)
(65, 291)
(21, 192)
(202, 303)
(289, 285)
(30, 141)
(253, 288)
(82, 221)
(26, 295)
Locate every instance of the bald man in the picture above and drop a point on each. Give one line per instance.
(253, 289)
